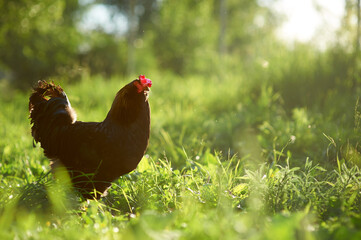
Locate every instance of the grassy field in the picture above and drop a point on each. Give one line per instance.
(229, 158)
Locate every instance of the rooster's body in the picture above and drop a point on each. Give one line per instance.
(94, 153)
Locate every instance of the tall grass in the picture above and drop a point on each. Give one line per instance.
(227, 159)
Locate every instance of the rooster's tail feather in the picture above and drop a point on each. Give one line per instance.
(49, 109)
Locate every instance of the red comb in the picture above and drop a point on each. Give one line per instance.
(145, 81)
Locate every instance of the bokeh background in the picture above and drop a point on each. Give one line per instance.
(255, 117)
(259, 65)
(42, 39)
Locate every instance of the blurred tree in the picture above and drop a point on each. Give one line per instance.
(42, 39)
(104, 54)
(348, 30)
(189, 35)
(349, 43)
(144, 11)
(248, 23)
(222, 26)
(37, 38)
(358, 26)
(140, 14)
(356, 78)
(185, 35)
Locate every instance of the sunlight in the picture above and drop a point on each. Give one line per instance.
(309, 19)
(306, 20)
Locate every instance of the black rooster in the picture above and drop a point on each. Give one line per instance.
(94, 153)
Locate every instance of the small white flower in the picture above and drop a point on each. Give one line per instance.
(292, 139)
(265, 64)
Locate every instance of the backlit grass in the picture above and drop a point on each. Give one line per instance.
(226, 160)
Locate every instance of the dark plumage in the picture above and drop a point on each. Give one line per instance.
(94, 153)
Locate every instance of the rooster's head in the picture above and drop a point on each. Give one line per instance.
(143, 83)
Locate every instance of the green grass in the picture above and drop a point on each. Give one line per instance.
(227, 160)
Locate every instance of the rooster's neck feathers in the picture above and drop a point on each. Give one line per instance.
(127, 105)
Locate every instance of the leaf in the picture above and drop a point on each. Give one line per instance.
(240, 189)
(144, 165)
(330, 139)
(352, 198)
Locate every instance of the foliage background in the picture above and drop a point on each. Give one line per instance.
(251, 138)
